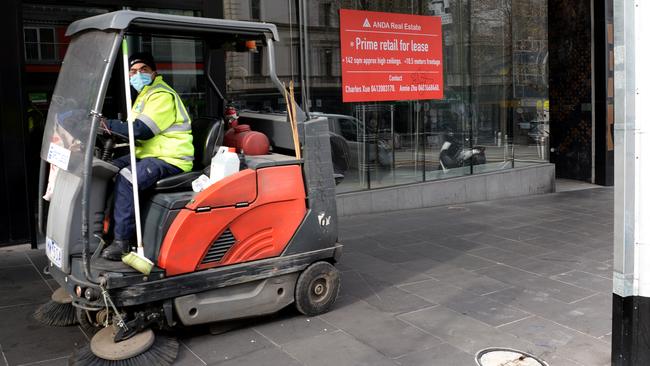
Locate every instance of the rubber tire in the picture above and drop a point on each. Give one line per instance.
(319, 273)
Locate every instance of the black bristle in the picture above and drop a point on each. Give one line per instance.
(56, 314)
(163, 352)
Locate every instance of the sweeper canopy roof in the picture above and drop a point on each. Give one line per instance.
(155, 23)
(88, 63)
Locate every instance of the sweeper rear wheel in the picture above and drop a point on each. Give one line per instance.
(317, 288)
(144, 348)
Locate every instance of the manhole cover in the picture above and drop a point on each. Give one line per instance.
(506, 357)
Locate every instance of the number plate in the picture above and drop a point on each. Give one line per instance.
(53, 251)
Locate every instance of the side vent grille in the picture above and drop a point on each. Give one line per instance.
(219, 247)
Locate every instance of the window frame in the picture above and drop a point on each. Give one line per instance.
(39, 44)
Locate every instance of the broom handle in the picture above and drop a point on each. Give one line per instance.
(285, 92)
(134, 170)
(294, 124)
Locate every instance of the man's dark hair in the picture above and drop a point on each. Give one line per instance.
(142, 57)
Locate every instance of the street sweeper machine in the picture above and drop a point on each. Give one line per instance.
(248, 244)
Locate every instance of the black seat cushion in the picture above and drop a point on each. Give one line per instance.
(176, 183)
(207, 134)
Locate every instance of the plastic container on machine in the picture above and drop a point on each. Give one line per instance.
(224, 163)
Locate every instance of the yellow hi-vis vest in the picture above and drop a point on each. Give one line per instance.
(160, 108)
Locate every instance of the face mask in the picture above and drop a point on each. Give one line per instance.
(140, 80)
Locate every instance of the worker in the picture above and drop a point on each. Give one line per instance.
(163, 132)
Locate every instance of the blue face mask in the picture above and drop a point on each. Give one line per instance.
(140, 80)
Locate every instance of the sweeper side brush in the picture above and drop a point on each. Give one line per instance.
(57, 312)
(145, 348)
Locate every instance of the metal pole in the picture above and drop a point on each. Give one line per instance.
(631, 292)
(134, 169)
(416, 130)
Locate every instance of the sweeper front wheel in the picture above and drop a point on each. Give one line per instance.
(317, 288)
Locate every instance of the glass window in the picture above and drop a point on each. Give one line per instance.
(47, 43)
(257, 61)
(347, 127)
(494, 114)
(180, 62)
(31, 44)
(255, 10)
(325, 14)
(247, 83)
(44, 28)
(40, 44)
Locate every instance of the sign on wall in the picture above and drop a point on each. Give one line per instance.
(390, 56)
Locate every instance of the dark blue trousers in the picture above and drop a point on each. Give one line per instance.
(150, 170)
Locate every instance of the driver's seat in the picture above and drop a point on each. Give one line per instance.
(207, 134)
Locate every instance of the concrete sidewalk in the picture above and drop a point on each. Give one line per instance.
(420, 287)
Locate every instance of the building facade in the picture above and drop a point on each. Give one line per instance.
(517, 88)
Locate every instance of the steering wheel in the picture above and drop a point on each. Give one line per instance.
(106, 143)
(118, 137)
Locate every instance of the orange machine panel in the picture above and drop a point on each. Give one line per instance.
(264, 231)
(237, 188)
(261, 230)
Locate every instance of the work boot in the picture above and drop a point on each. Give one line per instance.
(115, 251)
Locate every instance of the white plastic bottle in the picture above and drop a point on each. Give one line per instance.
(224, 163)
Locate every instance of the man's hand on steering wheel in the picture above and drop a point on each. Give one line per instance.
(107, 132)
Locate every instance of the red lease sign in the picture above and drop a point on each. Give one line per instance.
(390, 56)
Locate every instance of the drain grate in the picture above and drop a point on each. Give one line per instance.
(506, 357)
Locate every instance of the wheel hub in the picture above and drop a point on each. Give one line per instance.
(319, 289)
(103, 346)
(102, 317)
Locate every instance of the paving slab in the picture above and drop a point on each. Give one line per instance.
(291, 326)
(379, 294)
(264, 356)
(516, 277)
(459, 277)
(442, 354)
(24, 340)
(13, 257)
(21, 285)
(585, 280)
(222, 347)
(383, 332)
(463, 332)
(591, 315)
(561, 341)
(429, 286)
(337, 348)
(186, 357)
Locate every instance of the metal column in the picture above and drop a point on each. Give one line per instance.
(631, 294)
